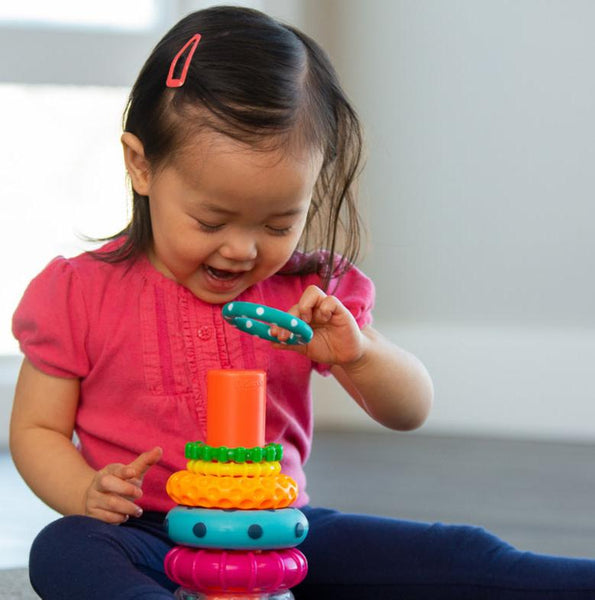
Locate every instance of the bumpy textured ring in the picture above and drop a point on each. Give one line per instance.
(237, 529)
(232, 469)
(220, 571)
(256, 318)
(209, 491)
(202, 451)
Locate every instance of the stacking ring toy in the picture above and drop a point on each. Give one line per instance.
(210, 491)
(231, 469)
(236, 530)
(217, 571)
(201, 451)
(256, 318)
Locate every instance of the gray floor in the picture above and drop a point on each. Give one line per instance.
(538, 496)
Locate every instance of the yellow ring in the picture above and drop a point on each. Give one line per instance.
(247, 493)
(263, 469)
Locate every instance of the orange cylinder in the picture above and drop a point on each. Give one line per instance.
(236, 408)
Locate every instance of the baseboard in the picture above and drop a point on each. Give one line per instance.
(490, 381)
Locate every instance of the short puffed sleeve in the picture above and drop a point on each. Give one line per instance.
(356, 292)
(50, 322)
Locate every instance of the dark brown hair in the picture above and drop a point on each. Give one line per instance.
(258, 81)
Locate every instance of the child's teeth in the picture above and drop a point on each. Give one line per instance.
(220, 274)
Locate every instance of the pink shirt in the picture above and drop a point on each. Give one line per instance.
(141, 345)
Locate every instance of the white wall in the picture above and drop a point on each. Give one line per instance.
(479, 187)
(478, 190)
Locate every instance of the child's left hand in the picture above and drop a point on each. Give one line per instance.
(337, 338)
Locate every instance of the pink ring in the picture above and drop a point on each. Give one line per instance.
(215, 571)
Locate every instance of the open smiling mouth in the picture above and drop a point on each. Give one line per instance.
(222, 275)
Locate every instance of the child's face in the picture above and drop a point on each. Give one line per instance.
(225, 216)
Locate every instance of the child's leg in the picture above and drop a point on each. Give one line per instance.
(359, 557)
(83, 558)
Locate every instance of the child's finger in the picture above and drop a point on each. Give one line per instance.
(281, 334)
(325, 310)
(143, 462)
(114, 509)
(108, 517)
(310, 299)
(109, 483)
(135, 481)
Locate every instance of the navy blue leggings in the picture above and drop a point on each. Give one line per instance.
(349, 556)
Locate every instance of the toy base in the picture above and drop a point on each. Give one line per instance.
(184, 594)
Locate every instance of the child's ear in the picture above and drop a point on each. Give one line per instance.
(136, 164)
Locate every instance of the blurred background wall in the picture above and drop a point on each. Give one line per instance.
(478, 187)
(479, 190)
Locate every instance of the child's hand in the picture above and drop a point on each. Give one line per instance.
(337, 338)
(116, 487)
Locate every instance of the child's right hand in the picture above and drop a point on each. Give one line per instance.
(115, 488)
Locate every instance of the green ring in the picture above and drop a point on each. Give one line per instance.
(255, 319)
(202, 451)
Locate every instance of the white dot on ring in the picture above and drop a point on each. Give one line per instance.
(249, 324)
(294, 322)
(260, 311)
(230, 307)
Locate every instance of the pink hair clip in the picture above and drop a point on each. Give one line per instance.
(176, 82)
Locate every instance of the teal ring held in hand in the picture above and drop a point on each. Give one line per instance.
(256, 319)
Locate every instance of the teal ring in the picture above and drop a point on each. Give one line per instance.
(236, 529)
(255, 319)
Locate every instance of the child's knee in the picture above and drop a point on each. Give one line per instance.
(64, 531)
(54, 547)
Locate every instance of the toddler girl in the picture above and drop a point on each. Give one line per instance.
(242, 153)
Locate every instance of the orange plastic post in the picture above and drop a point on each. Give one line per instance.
(236, 404)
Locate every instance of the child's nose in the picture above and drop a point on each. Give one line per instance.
(239, 247)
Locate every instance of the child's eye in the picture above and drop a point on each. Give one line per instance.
(279, 230)
(207, 228)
